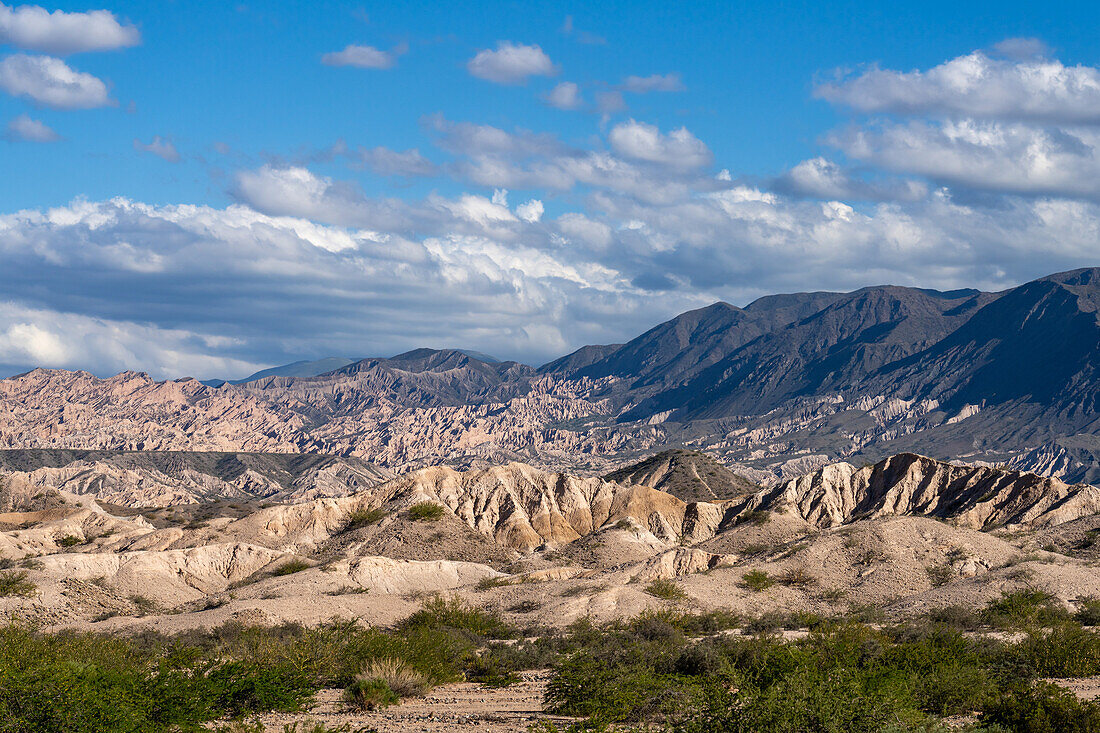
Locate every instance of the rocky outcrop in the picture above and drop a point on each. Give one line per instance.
(687, 475)
(909, 484)
(523, 507)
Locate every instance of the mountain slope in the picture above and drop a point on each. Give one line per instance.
(687, 475)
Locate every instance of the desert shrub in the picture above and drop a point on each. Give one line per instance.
(491, 671)
(797, 578)
(1022, 608)
(144, 605)
(15, 583)
(69, 541)
(756, 581)
(665, 590)
(364, 517)
(1088, 612)
(940, 574)
(404, 680)
(1041, 708)
(85, 683)
(290, 567)
(954, 617)
(489, 582)
(442, 613)
(1066, 650)
(758, 517)
(426, 511)
(370, 694)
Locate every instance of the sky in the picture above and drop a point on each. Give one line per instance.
(207, 189)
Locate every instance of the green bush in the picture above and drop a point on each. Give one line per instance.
(69, 541)
(290, 567)
(15, 583)
(370, 694)
(364, 517)
(1041, 708)
(666, 590)
(756, 581)
(426, 511)
(442, 613)
(1088, 612)
(1023, 608)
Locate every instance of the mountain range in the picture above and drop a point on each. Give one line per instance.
(779, 387)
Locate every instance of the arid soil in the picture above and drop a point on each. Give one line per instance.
(454, 708)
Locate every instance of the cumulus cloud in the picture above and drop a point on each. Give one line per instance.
(46, 338)
(530, 211)
(160, 147)
(51, 82)
(654, 83)
(641, 141)
(977, 85)
(823, 178)
(23, 127)
(989, 155)
(511, 63)
(362, 57)
(34, 28)
(566, 95)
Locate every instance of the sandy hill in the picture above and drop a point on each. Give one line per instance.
(686, 474)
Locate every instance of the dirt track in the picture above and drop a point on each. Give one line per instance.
(461, 707)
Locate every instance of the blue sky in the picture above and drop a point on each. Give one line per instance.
(207, 188)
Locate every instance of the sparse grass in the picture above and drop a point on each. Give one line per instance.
(490, 582)
(832, 594)
(290, 567)
(348, 590)
(757, 517)
(405, 681)
(756, 548)
(756, 581)
(370, 694)
(941, 574)
(70, 540)
(15, 583)
(666, 590)
(144, 605)
(797, 578)
(426, 511)
(364, 518)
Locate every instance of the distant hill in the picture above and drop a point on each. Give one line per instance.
(686, 474)
(779, 387)
(294, 369)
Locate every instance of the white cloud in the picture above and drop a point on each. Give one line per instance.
(566, 95)
(641, 141)
(530, 211)
(511, 63)
(654, 83)
(34, 28)
(977, 85)
(47, 338)
(386, 162)
(362, 57)
(50, 82)
(823, 178)
(23, 127)
(990, 155)
(160, 147)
